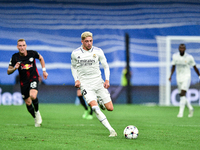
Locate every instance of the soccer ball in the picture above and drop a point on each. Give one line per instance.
(131, 132)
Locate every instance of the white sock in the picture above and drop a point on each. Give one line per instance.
(182, 104)
(189, 105)
(102, 118)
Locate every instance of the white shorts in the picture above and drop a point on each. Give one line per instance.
(91, 92)
(184, 85)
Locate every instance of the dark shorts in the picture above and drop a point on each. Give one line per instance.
(25, 89)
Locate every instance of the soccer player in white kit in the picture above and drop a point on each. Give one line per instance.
(85, 62)
(182, 61)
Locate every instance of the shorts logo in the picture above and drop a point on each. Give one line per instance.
(33, 84)
(84, 92)
(31, 59)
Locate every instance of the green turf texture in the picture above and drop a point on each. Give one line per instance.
(63, 128)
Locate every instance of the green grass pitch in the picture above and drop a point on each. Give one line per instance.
(63, 128)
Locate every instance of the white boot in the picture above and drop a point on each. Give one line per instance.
(182, 106)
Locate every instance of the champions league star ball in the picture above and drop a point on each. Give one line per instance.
(131, 132)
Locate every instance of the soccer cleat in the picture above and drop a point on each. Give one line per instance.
(113, 133)
(36, 124)
(38, 119)
(101, 104)
(179, 115)
(191, 113)
(89, 117)
(85, 114)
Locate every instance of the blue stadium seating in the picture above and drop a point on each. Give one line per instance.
(53, 28)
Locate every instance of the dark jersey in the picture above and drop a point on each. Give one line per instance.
(27, 71)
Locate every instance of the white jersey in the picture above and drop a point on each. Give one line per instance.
(85, 65)
(183, 64)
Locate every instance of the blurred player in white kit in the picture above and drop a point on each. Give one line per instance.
(182, 61)
(85, 62)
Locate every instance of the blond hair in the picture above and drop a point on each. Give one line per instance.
(20, 40)
(86, 34)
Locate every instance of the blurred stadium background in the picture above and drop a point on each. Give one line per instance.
(53, 28)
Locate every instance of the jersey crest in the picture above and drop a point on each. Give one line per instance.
(31, 59)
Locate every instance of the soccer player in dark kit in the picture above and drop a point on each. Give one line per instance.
(25, 62)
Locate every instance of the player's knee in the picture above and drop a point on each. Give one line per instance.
(28, 102)
(182, 94)
(111, 108)
(33, 97)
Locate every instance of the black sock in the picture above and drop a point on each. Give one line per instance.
(35, 104)
(91, 111)
(83, 102)
(31, 110)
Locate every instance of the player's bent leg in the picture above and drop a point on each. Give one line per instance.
(38, 118)
(101, 104)
(36, 104)
(29, 107)
(191, 113)
(102, 118)
(33, 94)
(182, 106)
(28, 101)
(31, 110)
(109, 106)
(182, 103)
(33, 97)
(34, 114)
(191, 109)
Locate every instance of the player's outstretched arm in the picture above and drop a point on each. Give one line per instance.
(42, 62)
(172, 71)
(197, 71)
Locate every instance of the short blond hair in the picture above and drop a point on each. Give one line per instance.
(20, 40)
(86, 34)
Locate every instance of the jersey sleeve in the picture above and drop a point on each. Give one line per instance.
(104, 63)
(173, 59)
(12, 62)
(192, 62)
(73, 67)
(36, 54)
